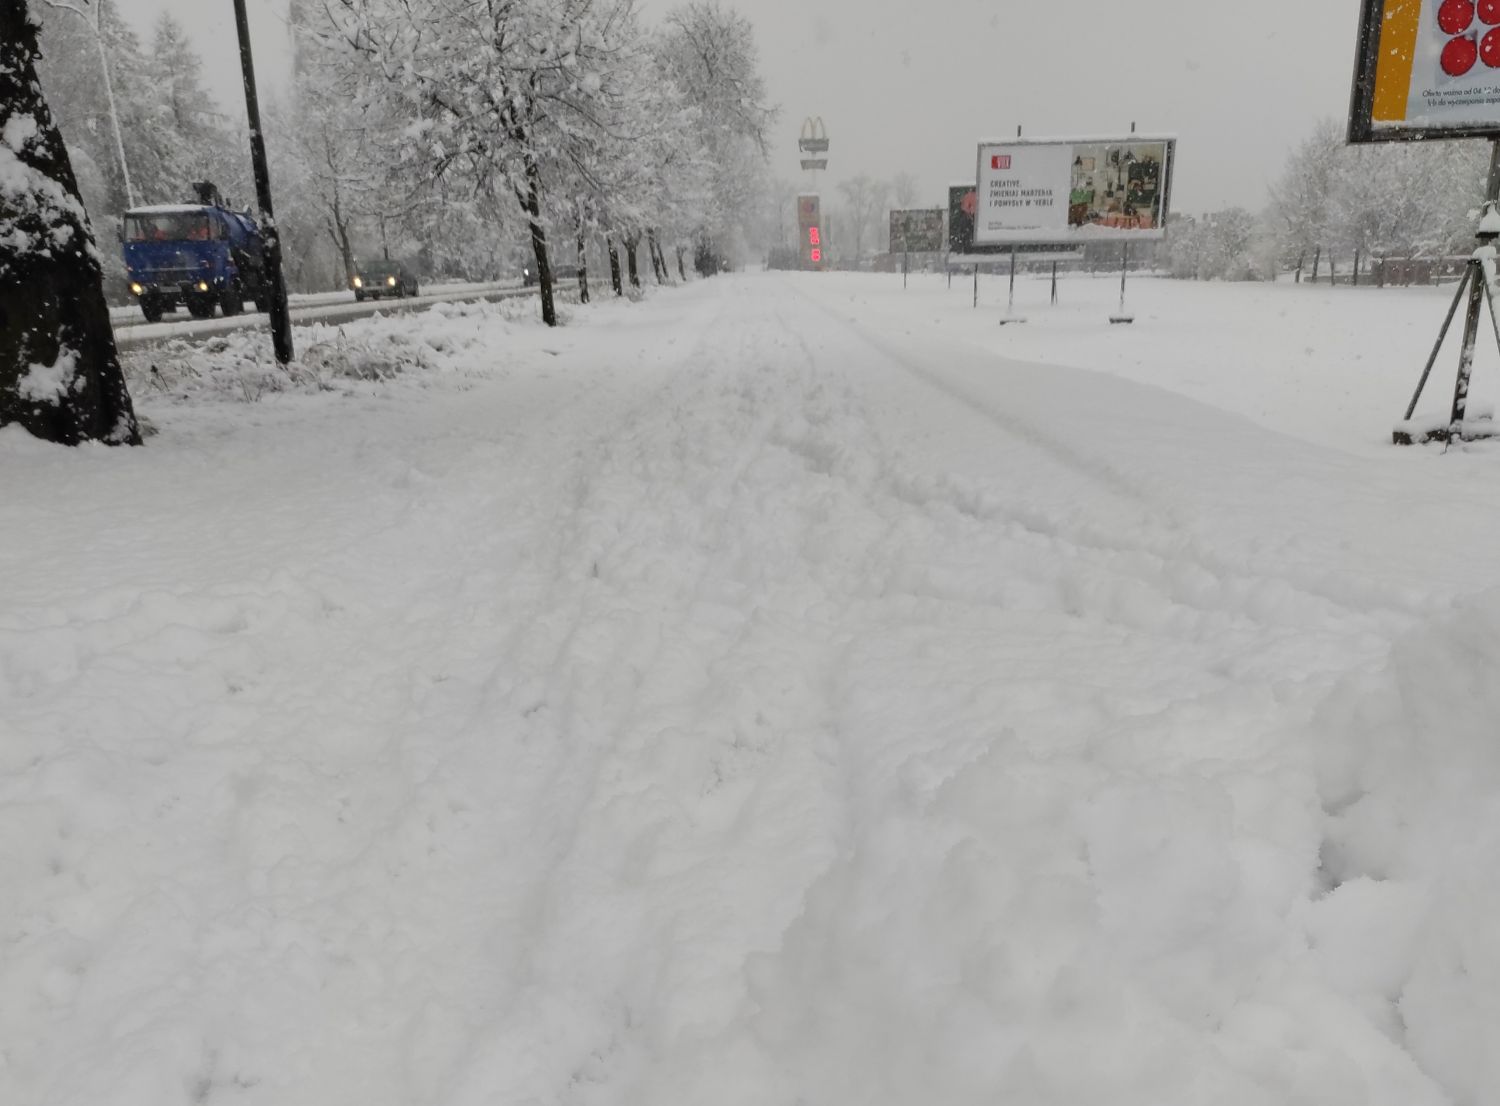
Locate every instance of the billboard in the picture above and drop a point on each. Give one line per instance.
(1038, 191)
(810, 231)
(917, 230)
(963, 200)
(1426, 69)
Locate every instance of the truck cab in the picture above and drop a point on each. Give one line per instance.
(199, 256)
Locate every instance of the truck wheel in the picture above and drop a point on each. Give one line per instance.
(151, 307)
(233, 301)
(262, 302)
(200, 307)
(359, 297)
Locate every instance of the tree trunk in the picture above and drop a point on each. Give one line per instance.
(60, 375)
(614, 266)
(1333, 276)
(681, 267)
(583, 266)
(658, 262)
(531, 203)
(632, 243)
(1317, 260)
(338, 230)
(1356, 268)
(1301, 257)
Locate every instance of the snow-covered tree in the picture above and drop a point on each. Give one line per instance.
(60, 375)
(497, 94)
(709, 52)
(865, 210)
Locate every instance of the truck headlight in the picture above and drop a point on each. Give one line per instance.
(136, 289)
(203, 286)
(359, 282)
(391, 281)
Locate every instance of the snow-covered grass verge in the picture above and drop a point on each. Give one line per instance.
(448, 337)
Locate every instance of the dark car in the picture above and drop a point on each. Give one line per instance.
(377, 279)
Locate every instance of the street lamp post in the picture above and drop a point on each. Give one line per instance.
(281, 320)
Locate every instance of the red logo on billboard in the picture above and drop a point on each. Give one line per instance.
(1000, 161)
(970, 203)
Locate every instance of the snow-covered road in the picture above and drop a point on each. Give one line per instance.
(751, 696)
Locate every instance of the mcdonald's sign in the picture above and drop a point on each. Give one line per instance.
(814, 138)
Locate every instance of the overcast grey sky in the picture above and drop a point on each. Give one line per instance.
(911, 85)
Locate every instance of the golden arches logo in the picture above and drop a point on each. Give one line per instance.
(814, 138)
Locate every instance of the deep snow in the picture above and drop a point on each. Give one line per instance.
(766, 693)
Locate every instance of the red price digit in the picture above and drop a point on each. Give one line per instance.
(813, 237)
(817, 255)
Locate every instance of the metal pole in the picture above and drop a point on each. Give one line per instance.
(905, 265)
(281, 319)
(1054, 284)
(1124, 272)
(1476, 303)
(1011, 307)
(114, 112)
(976, 284)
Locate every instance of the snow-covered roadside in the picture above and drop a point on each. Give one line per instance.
(726, 699)
(1331, 365)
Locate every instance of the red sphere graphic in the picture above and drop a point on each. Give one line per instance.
(1489, 49)
(1455, 16)
(1459, 56)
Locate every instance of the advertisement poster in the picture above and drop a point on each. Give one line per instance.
(963, 201)
(917, 230)
(1073, 190)
(1427, 69)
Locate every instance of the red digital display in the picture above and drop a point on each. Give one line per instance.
(817, 255)
(813, 237)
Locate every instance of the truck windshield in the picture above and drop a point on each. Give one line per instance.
(170, 227)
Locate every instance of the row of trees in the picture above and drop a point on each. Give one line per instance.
(1340, 208)
(442, 128)
(648, 139)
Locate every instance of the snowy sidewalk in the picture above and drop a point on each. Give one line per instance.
(736, 698)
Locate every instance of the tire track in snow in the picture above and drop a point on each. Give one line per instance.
(1166, 537)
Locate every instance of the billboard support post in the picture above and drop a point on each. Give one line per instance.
(1121, 317)
(1479, 286)
(976, 287)
(1054, 284)
(1010, 310)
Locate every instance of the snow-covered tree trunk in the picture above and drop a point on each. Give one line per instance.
(632, 244)
(583, 263)
(614, 267)
(531, 202)
(60, 375)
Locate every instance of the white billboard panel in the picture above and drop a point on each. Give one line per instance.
(1073, 190)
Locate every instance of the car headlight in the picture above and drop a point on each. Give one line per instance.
(203, 286)
(391, 281)
(358, 283)
(136, 289)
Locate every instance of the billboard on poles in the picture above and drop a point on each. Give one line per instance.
(1073, 190)
(963, 201)
(917, 230)
(810, 231)
(1426, 69)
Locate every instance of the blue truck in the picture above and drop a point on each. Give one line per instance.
(200, 256)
